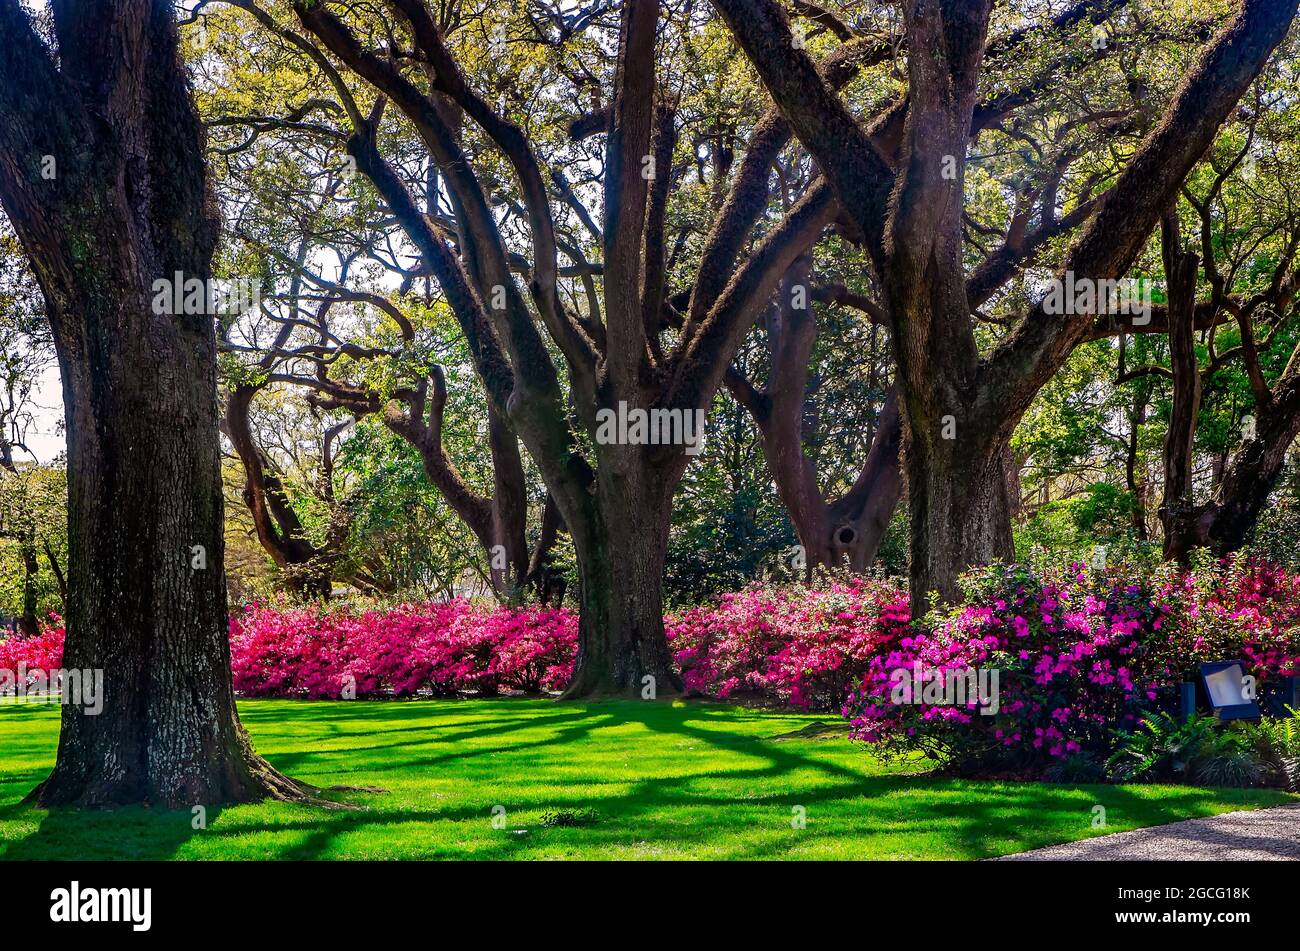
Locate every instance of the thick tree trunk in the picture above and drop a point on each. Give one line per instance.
(848, 531)
(1224, 524)
(955, 451)
(509, 508)
(1254, 472)
(958, 501)
(616, 511)
(547, 583)
(147, 594)
(1178, 511)
(832, 532)
(621, 552)
(861, 517)
(960, 516)
(306, 569)
(130, 205)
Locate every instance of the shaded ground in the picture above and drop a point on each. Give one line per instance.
(680, 780)
(1267, 834)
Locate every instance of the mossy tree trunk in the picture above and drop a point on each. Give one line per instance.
(103, 178)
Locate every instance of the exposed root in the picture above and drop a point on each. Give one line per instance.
(281, 788)
(253, 780)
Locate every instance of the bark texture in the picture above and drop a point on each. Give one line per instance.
(307, 568)
(1178, 510)
(1240, 485)
(129, 204)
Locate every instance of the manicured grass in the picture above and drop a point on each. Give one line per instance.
(681, 780)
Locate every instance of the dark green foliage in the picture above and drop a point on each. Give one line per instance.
(1277, 533)
(565, 818)
(728, 523)
(1162, 748)
(403, 532)
(1208, 753)
(1276, 743)
(1076, 768)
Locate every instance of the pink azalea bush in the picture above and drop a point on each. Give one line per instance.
(43, 651)
(438, 648)
(1079, 653)
(1242, 608)
(799, 647)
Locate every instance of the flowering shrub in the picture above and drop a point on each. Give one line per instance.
(1241, 608)
(44, 651)
(802, 647)
(441, 648)
(532, 650)
(1079, 654)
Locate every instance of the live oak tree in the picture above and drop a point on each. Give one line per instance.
(847, 530)
(840, 512)
(850, 525)
(1243, 314)
(1190, 418)
(637, 345)
(902, 180)
(349, 342)
(389, 376)
(416, 411)
(306, 560)
(102, 179)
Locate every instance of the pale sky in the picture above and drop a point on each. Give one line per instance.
(45, 437)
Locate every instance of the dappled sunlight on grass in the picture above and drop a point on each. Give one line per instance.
(680, 780)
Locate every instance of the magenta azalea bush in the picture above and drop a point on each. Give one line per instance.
(1079, 654)
(43, 651)
(800, 647)
(442, 649)
(1241, 608)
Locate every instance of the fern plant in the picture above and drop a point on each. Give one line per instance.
(1277, 744)
(1161, 747)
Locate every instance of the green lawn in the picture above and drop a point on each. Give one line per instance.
(686, 780)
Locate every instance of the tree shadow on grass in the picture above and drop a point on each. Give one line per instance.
(738, 808)
(1001, 817)
(290, 761)
(979, 819)
(665, 815)
(128, 833)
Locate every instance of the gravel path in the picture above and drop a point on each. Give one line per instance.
(1256, 834)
